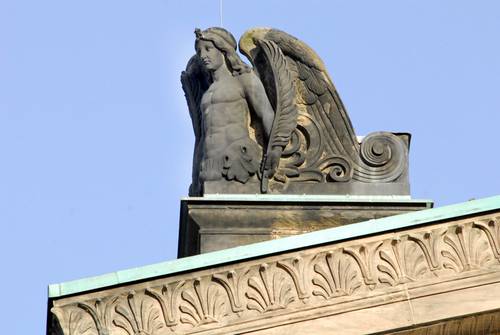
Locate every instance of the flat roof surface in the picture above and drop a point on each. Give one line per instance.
(281, 245)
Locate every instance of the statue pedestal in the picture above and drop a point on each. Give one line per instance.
(218, 222)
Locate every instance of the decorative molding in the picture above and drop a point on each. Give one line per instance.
(267, 289)
(101, 312)
(335, 275)
(168, 298)
(491, 228)
(298, 269)
(72, 321)
(464, 248)
(137, 315)
(233, 281)
(364, 255)
(203, 302)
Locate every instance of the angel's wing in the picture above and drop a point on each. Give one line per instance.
(321, 144)
(194, 83)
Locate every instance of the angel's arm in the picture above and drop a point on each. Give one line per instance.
(257, 98)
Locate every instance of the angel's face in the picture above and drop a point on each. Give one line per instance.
(211, 57)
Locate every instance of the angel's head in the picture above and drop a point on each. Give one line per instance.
(217, 45)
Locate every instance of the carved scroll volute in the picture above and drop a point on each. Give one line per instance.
(385, 152)
(491, 228)
(364, 256)
(233, 282)
(168, 297)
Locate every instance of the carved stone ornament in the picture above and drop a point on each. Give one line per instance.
(279, 127)
(425, 278)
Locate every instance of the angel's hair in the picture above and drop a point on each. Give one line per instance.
(224, 42)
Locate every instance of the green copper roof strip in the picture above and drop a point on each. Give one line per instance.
(97, 281)
(276, 246)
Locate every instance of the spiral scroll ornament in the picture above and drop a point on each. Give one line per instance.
(340, 170)
(385, 155)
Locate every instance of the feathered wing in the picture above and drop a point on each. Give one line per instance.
(321, 143)
(279, 85)
(285, 119)
(194, 83)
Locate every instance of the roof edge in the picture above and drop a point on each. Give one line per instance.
(285, 244)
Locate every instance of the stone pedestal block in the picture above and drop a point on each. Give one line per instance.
(219, 222)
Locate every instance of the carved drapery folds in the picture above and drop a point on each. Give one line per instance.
(295, 283)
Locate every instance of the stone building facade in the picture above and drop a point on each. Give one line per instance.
(434, 271)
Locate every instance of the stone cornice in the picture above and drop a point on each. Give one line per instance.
(283, 245)
(400, 268)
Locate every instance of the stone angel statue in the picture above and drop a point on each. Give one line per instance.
(279, 127)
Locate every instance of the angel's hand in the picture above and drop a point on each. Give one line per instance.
(273, 160)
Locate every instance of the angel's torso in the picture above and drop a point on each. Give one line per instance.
(225, 115)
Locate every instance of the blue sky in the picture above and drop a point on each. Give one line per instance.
(96, 141)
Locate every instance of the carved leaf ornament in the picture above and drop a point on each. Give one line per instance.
(307, 279)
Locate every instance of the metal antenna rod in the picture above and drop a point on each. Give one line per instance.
(220, 12)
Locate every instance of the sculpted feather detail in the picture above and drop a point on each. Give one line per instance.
(285, 119)
(381, 157)
(281, 125)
